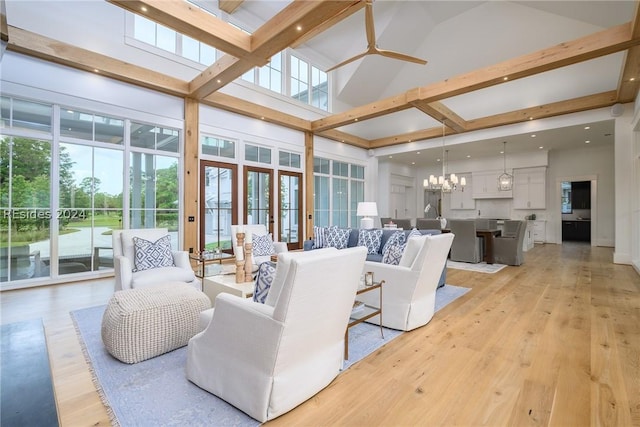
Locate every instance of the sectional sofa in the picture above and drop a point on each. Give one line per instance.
(377, 257)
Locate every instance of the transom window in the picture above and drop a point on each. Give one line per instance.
(218, 147)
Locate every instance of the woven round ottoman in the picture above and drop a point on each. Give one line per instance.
(139, 324)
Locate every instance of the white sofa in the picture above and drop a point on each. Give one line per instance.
(409, 292)
(258, 230)
(266, 359)
(123, 262)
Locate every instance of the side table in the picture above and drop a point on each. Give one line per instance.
(214, 285)
(204, 263)
(364, 313)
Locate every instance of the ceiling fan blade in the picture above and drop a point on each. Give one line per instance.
(400, 56)
(369, 25)
(348, 61)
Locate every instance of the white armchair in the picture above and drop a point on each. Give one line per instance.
(258, 230)
(409, 292)
(266, 359)
(124, 262)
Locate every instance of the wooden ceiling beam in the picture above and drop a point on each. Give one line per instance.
(249, 109)
(584, 103)
(364, 112)
(275, 35)
(410, 137)
(629, 82)
(614, 39)
(229, 6)
(188, 19)
(32, 44)
(4, 28)
(329, 23)
(345, 138)
(441, 112)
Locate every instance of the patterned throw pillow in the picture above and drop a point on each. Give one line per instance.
(414, 233)
(392, 254)
(319, 236)
(337, 237)
(396, 238)
(370, 239)
(266, 273)
(148, 255)
(262, 245)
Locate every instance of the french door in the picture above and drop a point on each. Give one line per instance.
(290, 209)
(258, 208)
(218, 206)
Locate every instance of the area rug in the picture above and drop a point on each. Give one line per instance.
(156, 392)
(481, 267)
(26, 389)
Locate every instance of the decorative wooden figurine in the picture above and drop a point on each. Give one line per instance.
(248, 249)
(239, 251)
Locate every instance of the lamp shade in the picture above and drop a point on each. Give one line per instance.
(367, 209)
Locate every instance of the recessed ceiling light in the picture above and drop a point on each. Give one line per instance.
(262, 118)
(299, 28)
(417, 152)
(632, 79)
(587, 127)
(530, 118)
(355, 120)
(391, 157)
(468, 156)
(541, 147)
(95, 70)
(533, 135)
(143, 8)
(501, 152)
(505, 78)
(437, 160)
(587, 141)
(409, 141)
(219, 81)
(413, 163)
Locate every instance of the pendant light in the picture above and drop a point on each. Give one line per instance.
(505, 181)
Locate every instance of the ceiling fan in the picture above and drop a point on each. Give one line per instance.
(372, 48)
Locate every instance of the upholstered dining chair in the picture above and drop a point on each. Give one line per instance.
(409, 292)
(428, 224)
(259, 230)
(384, 221)
(466, 247)
(404, 223)
(266, 359)
(507, 249)
(150, 262)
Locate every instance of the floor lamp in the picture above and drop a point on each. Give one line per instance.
(367, 210)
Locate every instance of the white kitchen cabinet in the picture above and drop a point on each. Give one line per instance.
(527, 243)
(463, 199)
(485, 186)
(539, 231)
(529, 186)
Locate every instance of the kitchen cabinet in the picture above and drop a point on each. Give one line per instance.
(529, 185)
(539, 231)
(579, 231)
(485, 186)
(527, 243)
(463, 198)
(581, 195)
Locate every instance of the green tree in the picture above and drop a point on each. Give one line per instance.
(167, 187)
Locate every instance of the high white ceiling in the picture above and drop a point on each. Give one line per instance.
(457, 37)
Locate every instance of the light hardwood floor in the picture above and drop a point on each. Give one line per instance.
(553, 342)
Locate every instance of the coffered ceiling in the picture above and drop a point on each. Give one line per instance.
(490, 63)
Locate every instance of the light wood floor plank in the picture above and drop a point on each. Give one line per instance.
(554, 342)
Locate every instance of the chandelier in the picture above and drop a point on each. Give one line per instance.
(505, 180)
(444, 183)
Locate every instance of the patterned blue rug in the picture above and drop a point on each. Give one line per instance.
(156, 392)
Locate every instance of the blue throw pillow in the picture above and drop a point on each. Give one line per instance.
(148, 255)
(414, 233)
(337, 237)
(262, 245)
(392, 254)
(371, 240)
(396, 238)
(319, 236)
(266, 273)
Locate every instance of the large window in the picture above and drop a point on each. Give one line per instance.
(338, 187)
(66, 184)
(308, 84)
(171, 41)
